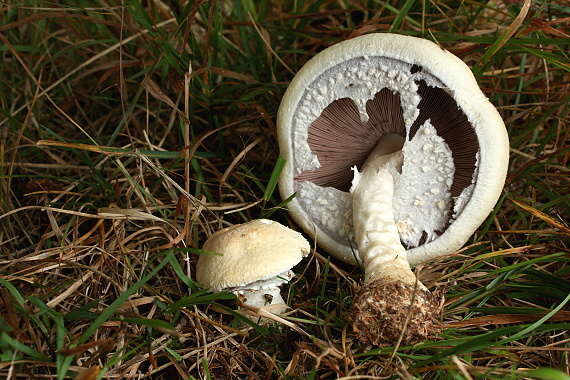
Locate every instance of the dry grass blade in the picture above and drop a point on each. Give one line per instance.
(516, 24)
(152, 87)
(132, 214)
(548, 219)
(505, 319)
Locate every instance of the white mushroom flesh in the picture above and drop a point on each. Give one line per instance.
(330, 208)
(422, 193)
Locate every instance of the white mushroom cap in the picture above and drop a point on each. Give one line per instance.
(255, 251)
(386, 83)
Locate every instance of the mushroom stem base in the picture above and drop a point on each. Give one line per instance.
(381, 309)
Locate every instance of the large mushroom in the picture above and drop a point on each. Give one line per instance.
(429, 153)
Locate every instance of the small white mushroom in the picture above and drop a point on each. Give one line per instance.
(406, 96)
(253, 259)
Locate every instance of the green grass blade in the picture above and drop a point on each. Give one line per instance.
(274, 179)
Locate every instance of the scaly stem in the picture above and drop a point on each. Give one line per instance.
(389, 295)
(378, 240)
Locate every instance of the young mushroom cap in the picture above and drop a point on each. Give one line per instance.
(455, 149)
(252, 259)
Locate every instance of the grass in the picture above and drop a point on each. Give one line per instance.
(129, 132)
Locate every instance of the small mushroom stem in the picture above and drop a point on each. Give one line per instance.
(264, 297)
(265, 293)
(391, 294)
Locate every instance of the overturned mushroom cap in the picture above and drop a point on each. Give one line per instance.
(250, 252)
(350, 95)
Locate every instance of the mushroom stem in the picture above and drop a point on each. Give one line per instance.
(265, 293)
(389, 294)
(263, 297)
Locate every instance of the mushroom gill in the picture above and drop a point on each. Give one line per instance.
(452, 125)
(341, 140)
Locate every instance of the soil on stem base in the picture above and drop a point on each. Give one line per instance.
(380, 310)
